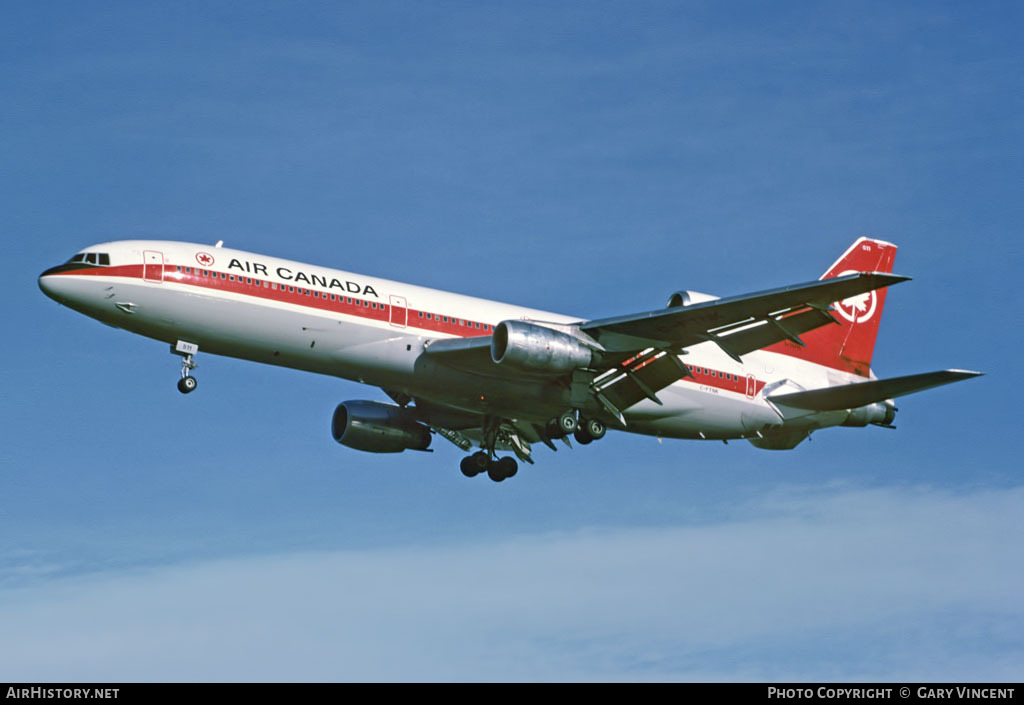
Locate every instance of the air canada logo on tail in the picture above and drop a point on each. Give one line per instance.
(859, 308)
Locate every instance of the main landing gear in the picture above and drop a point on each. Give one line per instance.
(187, 384)
(583, 430)
(497, 469)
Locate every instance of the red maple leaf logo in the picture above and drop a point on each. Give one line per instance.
(204, 259)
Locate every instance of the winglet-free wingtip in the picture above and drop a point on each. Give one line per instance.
(965, 374)
(893, 278)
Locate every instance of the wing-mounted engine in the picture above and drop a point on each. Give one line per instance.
(378, 428)
(535, 348)
(687, 298)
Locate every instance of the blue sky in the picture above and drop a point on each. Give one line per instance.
(587, 158)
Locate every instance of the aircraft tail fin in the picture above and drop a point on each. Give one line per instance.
(851, 396)
(849, 346)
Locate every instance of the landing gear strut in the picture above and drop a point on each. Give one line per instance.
(187, 383)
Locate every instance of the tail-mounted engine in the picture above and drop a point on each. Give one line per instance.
(534, 348)
(881, 413)
(688, 298)
(378, 428)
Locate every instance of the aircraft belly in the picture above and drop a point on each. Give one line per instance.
(695, 411)
(529, 399)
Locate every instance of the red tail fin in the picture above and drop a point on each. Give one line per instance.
(849, 345)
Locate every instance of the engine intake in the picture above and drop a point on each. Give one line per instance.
(533, 348)
(378, 428)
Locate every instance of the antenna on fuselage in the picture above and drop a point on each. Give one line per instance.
(219, 243)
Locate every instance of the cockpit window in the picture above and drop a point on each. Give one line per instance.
(99, 258)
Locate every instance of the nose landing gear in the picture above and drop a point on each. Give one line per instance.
(187, 383)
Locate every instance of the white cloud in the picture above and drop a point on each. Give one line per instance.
(831, 584)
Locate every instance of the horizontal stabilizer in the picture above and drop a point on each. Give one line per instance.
(850, 396)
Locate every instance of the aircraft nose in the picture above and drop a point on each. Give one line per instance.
(50, 284)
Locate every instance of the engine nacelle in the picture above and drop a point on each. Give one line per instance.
(882, 413)
(688, 298)
(378, 428)
(533, 348)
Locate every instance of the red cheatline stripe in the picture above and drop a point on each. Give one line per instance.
(354, 306)
(263, 289)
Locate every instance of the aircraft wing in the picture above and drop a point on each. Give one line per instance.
(470, 354)
(737, 324)
(641, 350)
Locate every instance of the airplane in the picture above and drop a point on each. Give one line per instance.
(770, 367)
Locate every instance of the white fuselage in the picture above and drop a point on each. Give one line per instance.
(374, 331)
